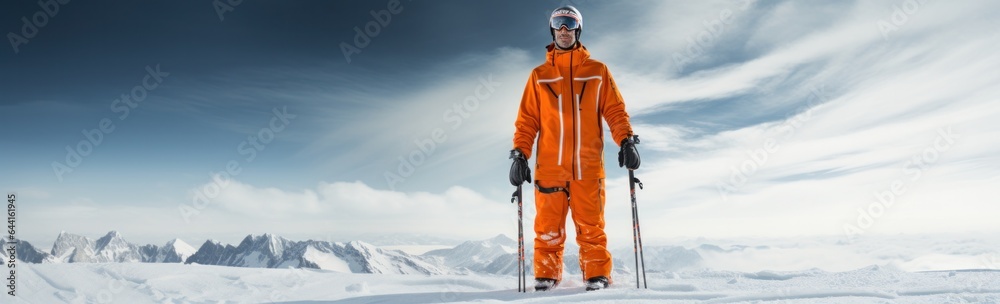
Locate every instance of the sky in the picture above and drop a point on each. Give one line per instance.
(165, 119)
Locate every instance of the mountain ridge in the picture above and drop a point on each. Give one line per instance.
(495, 256)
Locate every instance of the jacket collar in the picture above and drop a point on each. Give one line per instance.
(561, 58)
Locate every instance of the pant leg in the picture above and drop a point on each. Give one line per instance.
(587, 203)
(550, 230)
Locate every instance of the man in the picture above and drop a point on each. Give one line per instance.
(563, 104)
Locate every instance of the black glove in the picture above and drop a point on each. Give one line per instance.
(519, 171)
(628, 157)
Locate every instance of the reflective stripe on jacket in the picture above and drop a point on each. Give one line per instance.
(563, 103)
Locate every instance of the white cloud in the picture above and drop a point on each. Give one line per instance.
(885, 102)
(355, 207)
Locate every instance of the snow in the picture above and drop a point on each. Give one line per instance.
(181, 283)
(254, 259)
(476, 256)
(898, 269)
(181, 248)
(326, 261)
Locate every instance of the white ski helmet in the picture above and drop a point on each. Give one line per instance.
(567, 16)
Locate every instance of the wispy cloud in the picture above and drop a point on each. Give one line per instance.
(883, 104)
(470, 101)
(806, 112)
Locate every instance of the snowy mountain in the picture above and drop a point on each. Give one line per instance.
(370, 259)
(111, 248)
(264, 251)
(175, 251)
(270, 251)
(26, 252)
(494, 256)
(395, 239)
(479, 256)
(72, 248)
(659, 258)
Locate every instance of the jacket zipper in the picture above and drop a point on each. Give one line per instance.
(579, 113)
(576, 139)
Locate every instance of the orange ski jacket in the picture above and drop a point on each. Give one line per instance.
(563, 103)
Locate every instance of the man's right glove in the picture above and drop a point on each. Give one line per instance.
(628, 156)
(519, 171)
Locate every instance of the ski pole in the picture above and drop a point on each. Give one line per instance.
(522, 284)
(636, 234)
(520, 238)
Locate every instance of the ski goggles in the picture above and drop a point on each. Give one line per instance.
(560, 20)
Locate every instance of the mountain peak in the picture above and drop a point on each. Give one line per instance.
(73, 248)
(177, 250)
(478, 256)
(268, 243)
(360, 244)
(112, 247)
(110, 238)
(501, 239)
(66, 235)
(179, 244)
(266, 237)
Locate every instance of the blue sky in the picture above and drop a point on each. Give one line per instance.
(831, 100)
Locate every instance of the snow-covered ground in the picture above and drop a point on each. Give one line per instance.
(882, 269)
(179, 283)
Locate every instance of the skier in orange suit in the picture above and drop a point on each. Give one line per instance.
(563, 104)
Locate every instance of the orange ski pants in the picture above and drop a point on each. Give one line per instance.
(586, 200)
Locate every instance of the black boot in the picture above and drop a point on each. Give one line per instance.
(596, 283)
(543, 284)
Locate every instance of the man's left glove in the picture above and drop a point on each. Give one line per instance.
(628, 156)
(519, 171)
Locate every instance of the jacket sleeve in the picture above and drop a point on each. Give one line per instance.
(613, 108)
(528, 122)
